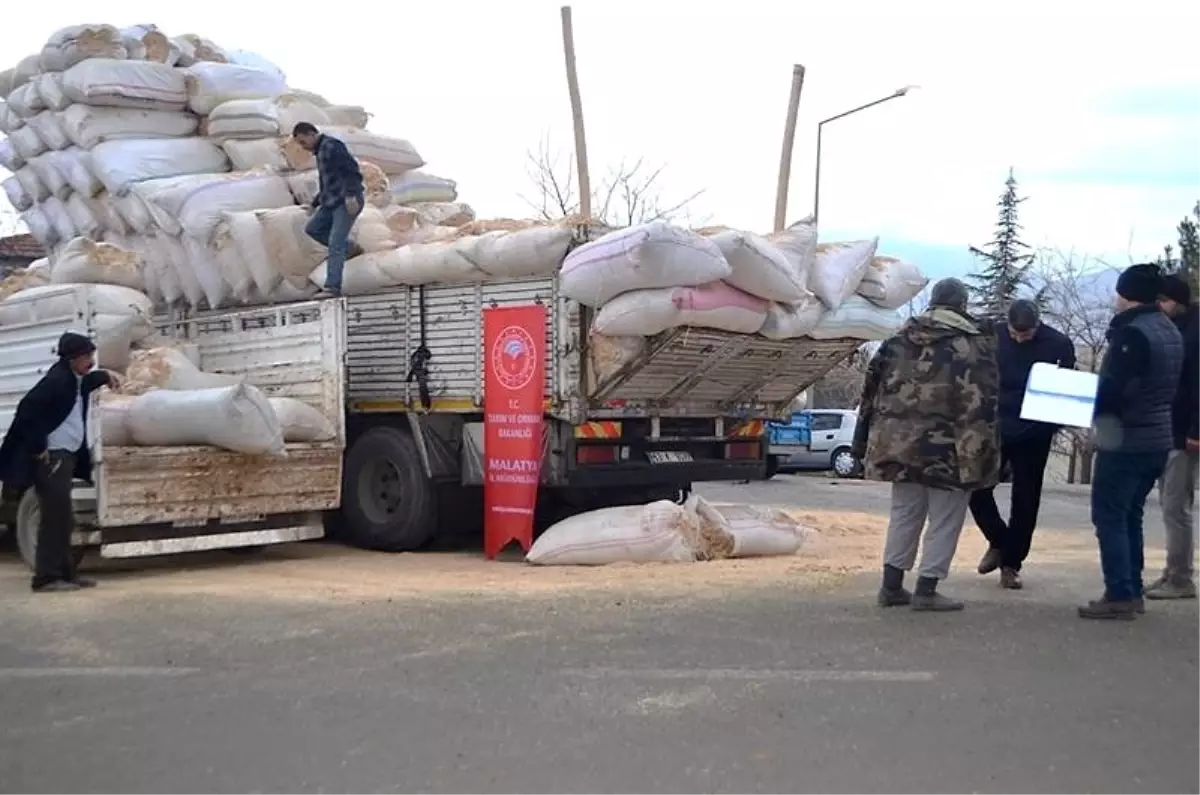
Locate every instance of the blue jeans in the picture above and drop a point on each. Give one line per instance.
(1120, 484)
(330, 226)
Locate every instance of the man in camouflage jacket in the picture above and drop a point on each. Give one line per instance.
(928, 424)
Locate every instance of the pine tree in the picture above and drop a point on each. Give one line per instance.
(1187, 264)
(1006, 259)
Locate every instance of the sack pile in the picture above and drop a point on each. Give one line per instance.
(161, 145)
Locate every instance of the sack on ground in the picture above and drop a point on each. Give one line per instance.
(263, 118)
(170, 368)
(301, 422)
(859, 319)
(660, 532)
(83, 261)
(653, 255)
(714, 305)
(237, 418)
(211, 84)
(126, 84)
(891, 283)
(760, 268)
(839, 268)
(88, 127)
(758, 532)
(789, 321)
(417, 186)
(122, 164)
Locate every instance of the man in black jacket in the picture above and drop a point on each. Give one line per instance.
(46, 447)
(1024, 444)
(337, 205)
(1177, 489)
(1139, 377)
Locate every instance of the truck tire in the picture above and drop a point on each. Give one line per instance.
(772, 466)
(29, 520)
(388, 503)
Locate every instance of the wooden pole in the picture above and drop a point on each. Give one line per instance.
(785, 157)
(581, 161)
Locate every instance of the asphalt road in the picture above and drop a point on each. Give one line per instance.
(761, 689)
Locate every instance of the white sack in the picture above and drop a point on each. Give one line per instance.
(714, 305)
(170, 368)
(104, 210)
(7, 81)
(891, 283)
(393, 155)
(254, 61)
(659, 532)
(759, 267)
(234, 270)
(106, 299)
(444, 213)
(354, 116)
(788, 321)
(18, 197)
(75, 166)
(211, 84)
(71, 45)
(264, 153)
(56, 184)
(165, 262)
(121, 164)
(417, 186)
(133, 212)
(26, 142)
(148, 43)
(26, 69)
(160, 217)
(236, 418)
(204, 262)
(56, 213)
(301, 422)
(274, 246)
(839, 268)
(88, 127)
(50, 89)
(198, 207)
(761, 531)
(46, 125)
(26, 102)
(857, 318)
(641, 257)
(33, 186)
(128, 84)
(9, 120)
(86, 224)
(305, 185)
(264, 118)
(113, 410)
(40, 227)
(799, 244)
(84, 261)
(195, 49)
(607, 355)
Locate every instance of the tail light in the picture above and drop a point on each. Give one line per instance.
(597, 454)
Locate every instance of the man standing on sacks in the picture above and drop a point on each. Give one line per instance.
(928, 423)
(46, 447)
(339, 200)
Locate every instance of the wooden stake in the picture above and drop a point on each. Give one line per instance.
(785, 157)
(585, 183)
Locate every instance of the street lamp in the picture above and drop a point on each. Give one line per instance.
(899, 92)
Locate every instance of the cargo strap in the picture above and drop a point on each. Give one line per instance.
(418, 363)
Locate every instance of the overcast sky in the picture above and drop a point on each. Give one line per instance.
(1097, 111)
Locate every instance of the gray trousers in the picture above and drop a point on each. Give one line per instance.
(1177, 495)
(911, 506)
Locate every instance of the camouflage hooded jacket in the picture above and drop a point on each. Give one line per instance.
(929, 405)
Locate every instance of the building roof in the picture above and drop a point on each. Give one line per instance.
(21, 246)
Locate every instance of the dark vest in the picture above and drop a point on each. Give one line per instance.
(1146, 418)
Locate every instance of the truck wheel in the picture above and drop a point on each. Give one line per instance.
(843, 463)
(772, 466)
(387, 502)
(29, 519)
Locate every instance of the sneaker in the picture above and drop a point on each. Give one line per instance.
(354, 250)
(1011, 579)
(57, 586)
(326, 293)
(989, 562)
(1171, 589)
(893, 597)
(1106, 609)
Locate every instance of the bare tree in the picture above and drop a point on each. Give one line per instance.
(1076, 304)
(630, 193)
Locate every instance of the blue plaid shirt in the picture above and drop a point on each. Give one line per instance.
(337, 171)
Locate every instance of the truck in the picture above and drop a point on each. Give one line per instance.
(401, 374)
(813, 439)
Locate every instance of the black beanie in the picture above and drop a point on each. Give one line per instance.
(1140, 283)
(71, 345)
(1176, 289)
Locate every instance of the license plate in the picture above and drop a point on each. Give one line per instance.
(669, 457)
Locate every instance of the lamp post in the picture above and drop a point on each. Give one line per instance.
(899, 92)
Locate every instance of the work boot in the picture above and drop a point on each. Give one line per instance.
(892, 593)
(1011, 579)
(989, 562)
(926, 597)
(326, 293)
(57, 586)
(1171, 588)
(1108, 609)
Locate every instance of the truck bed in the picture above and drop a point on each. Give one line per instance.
(681, 372)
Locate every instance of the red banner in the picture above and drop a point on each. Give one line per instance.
(514, 339)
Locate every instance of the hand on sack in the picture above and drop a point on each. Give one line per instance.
(353, 205)
(114, 381)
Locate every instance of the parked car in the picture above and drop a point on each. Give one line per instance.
(815, 439)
